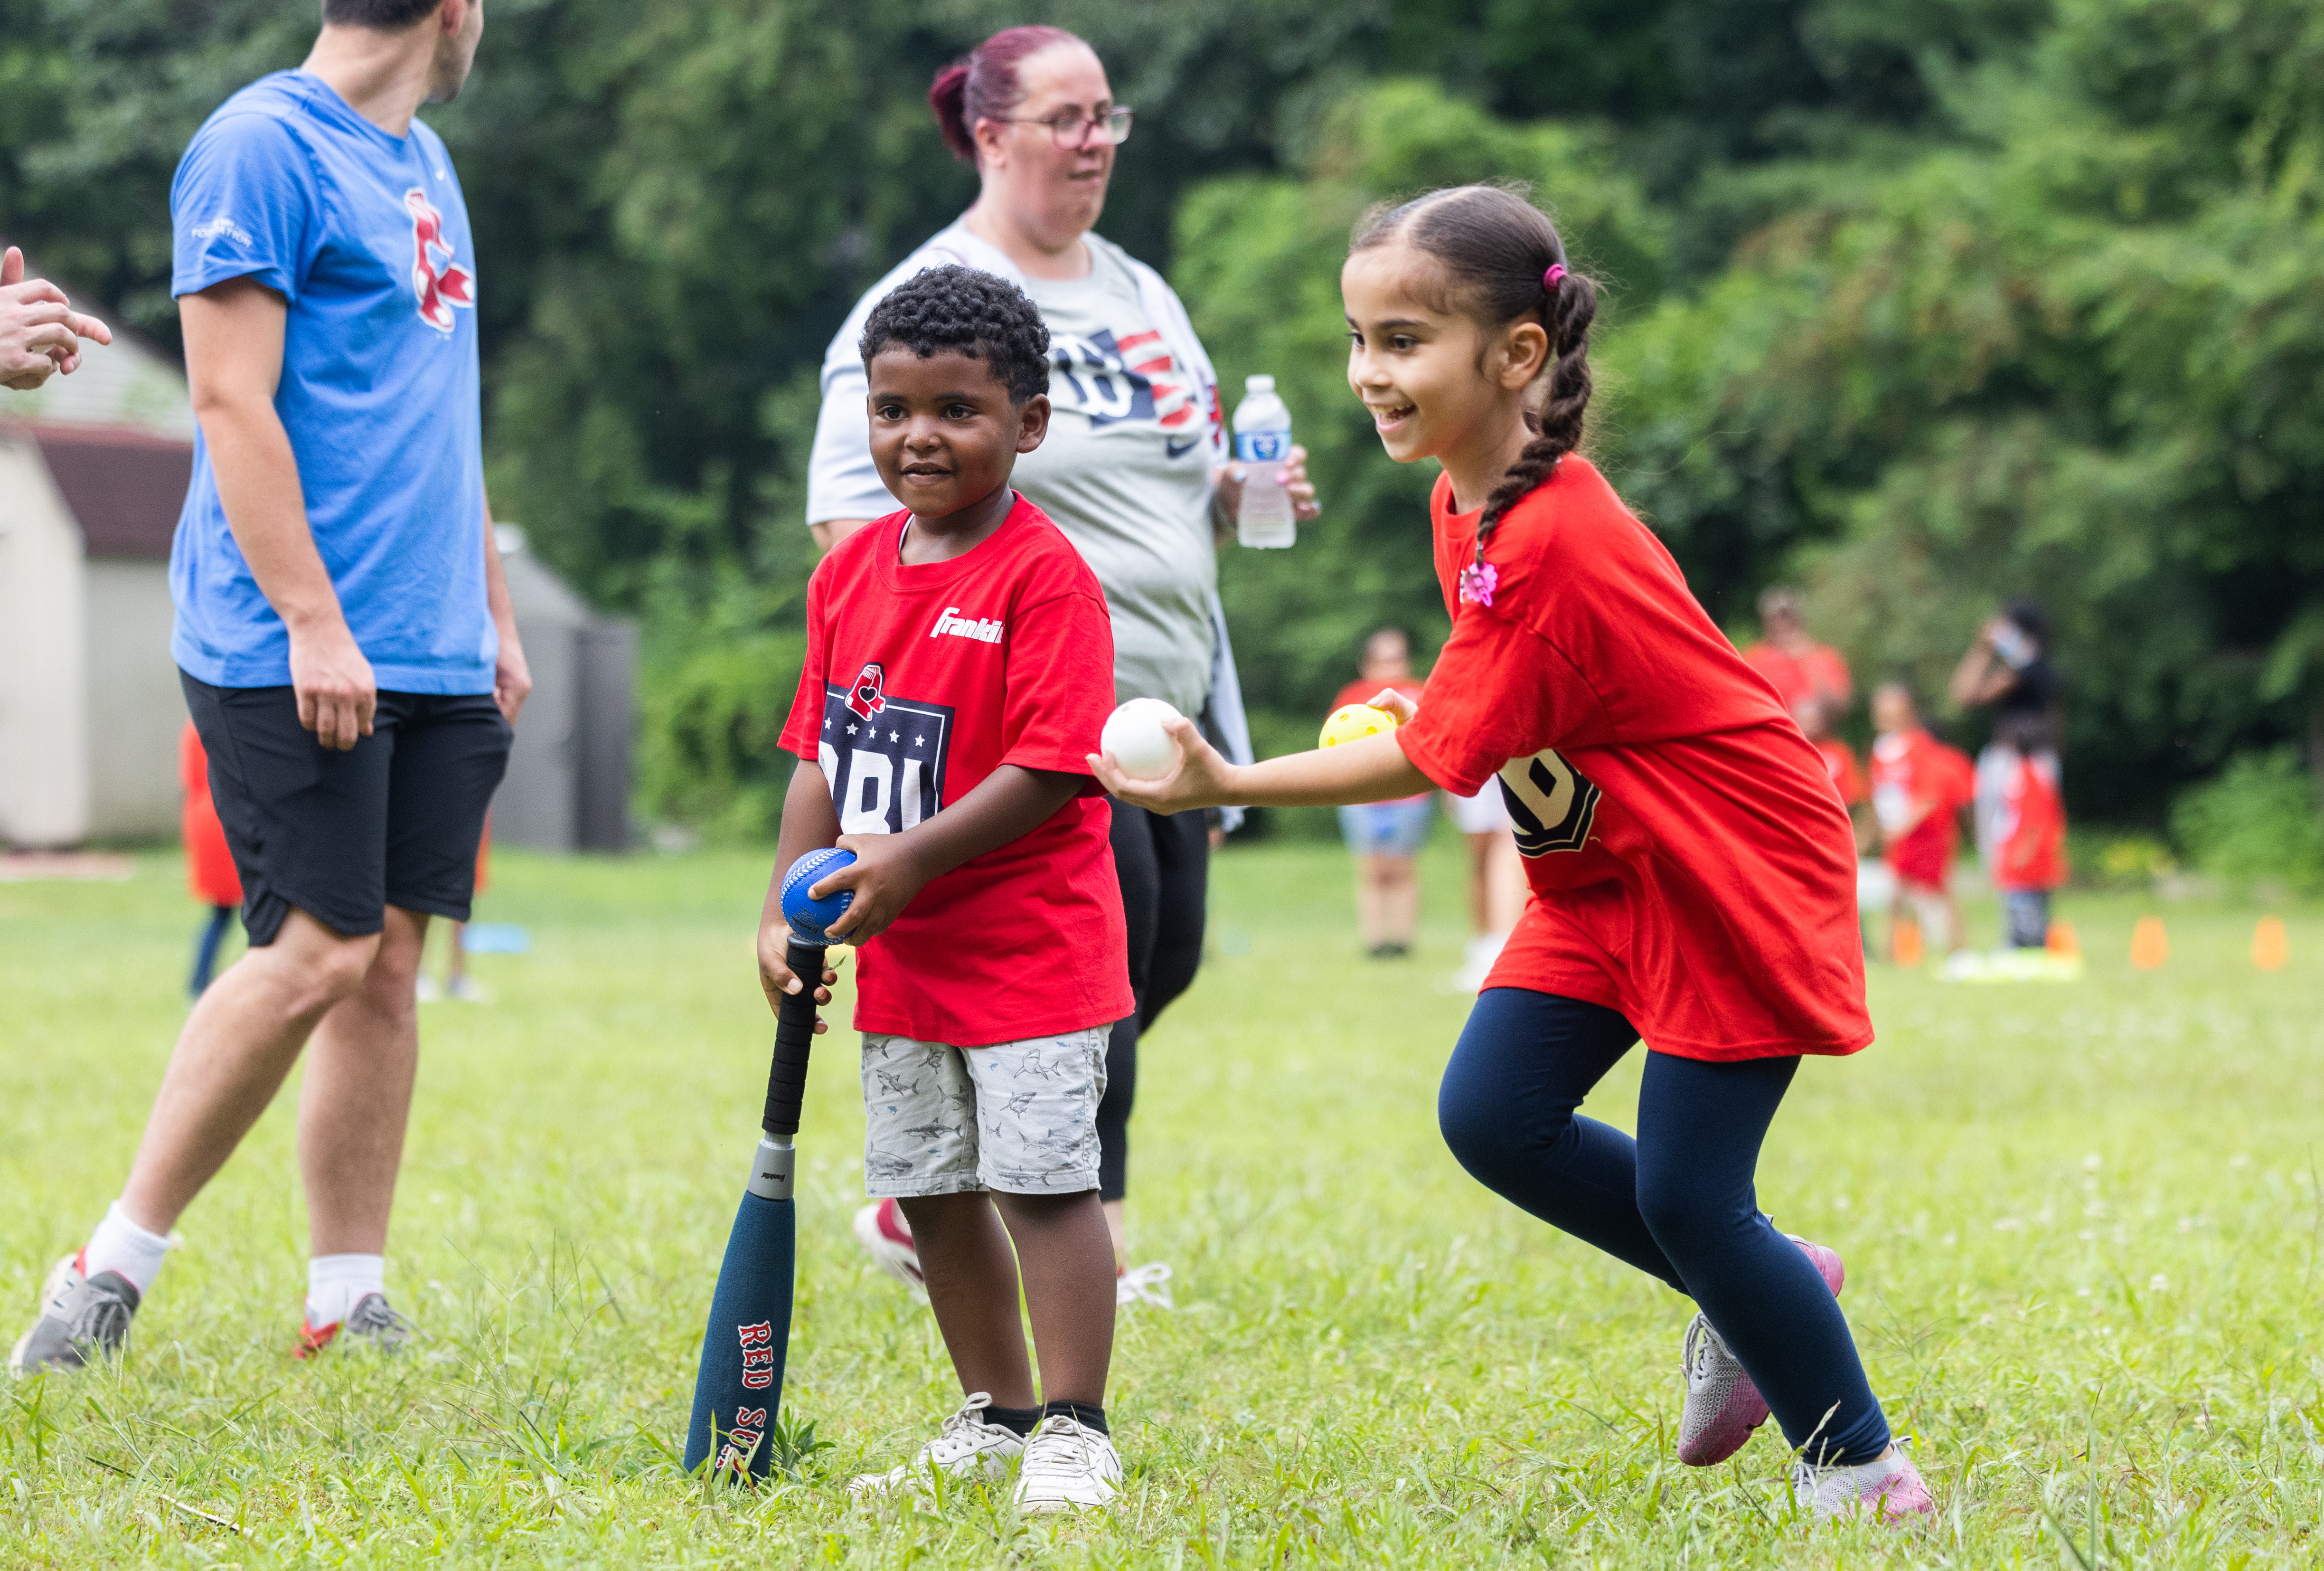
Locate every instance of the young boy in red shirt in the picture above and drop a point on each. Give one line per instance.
(959, 669)
(1919, 787)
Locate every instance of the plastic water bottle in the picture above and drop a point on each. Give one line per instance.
(1262, 440)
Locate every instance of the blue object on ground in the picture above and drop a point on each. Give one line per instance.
(810, 918)
(495, 938)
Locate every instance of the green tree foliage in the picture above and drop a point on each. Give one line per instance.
(2079, 357)
(1928, 302)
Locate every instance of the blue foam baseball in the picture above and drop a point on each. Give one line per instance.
(808, 918)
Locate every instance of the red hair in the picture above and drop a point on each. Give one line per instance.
(982, 85)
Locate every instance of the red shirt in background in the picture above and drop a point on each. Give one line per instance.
(1363, 692)
(1693, 866)
(210, 865)
(919, 682)
(2030, 842)
(1846, 778)
(1911, 770)
(1818, 673)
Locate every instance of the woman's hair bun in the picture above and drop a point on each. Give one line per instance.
(982, 84)
(948, 97)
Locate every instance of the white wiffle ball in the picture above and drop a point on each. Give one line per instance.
(1134, 736)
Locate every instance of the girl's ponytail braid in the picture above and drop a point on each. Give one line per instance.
(1567, 314)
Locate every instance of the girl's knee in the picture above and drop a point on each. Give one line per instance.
(1497, 1149)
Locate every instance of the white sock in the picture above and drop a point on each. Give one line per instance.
(119, 1245)
(336, 1283)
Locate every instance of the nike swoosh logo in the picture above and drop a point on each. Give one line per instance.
(1173, 450)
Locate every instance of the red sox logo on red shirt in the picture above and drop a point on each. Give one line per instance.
(439, 286)
(865, 699)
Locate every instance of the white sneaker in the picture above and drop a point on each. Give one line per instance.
(887, 1238)
(425, 989)
(467, 990)
(1066, 1465)
(1888, 1489)
(1145, 1284)
(963, 1448)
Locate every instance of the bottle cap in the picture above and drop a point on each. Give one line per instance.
(1260, 383)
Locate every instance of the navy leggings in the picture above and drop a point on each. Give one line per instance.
(1677, 1202)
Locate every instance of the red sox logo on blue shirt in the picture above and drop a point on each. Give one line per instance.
(439, 286)
(864, 697)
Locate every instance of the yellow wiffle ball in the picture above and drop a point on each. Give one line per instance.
(1353, 723)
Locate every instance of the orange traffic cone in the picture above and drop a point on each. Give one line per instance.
(2061, 939)
(1907, 942)
(2270, 947)
(2149, 947)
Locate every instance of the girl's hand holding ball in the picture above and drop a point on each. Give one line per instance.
(1155, 758)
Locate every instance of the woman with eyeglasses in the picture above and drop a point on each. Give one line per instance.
(1134, 470)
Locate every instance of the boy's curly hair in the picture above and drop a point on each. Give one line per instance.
(975, 313)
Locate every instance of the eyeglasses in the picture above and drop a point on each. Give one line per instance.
(1072, 132)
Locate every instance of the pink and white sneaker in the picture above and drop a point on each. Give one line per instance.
(1888, 1488)
(882, 1230)
(1722, 1406)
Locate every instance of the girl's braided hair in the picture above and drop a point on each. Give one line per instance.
(1503, 261)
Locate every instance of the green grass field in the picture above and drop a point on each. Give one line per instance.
(2081, 1223)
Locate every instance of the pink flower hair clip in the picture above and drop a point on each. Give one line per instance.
(1477, 582)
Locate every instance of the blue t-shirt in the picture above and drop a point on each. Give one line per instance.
(367, 237)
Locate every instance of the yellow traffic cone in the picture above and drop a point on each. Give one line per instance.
(2270, 946)
(2149, 947)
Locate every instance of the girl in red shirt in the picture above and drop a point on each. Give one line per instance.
(1693, 867)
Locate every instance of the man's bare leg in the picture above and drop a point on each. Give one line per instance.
(236, 1047)
(356, 1096)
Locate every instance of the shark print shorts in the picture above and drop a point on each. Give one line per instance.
(1019, 1117)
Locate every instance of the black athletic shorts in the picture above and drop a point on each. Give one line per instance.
(393, 821)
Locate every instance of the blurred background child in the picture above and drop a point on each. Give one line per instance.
(1919, 787)
(2021, 814)
(2028, 857)
(458, 985)
(1384, 837)
(210, 865)
(1795, 664)
(1816, 717)
(1497, 879)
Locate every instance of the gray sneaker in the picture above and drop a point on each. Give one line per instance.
(81, 1318)
(371, 1323)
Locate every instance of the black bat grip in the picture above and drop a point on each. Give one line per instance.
(793, 1037)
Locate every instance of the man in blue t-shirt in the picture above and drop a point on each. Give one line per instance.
(343, 638)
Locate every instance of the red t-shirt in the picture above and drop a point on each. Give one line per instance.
(1363, 692)
(919, 682)
(2030, 830)
(210, 865)
(1840, 763)
(1910, 769)
(1819, 673)
(1690, 865)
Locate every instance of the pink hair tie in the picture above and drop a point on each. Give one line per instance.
(1549, 281)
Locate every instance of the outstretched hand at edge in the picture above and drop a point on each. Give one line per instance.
(1202, 778)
